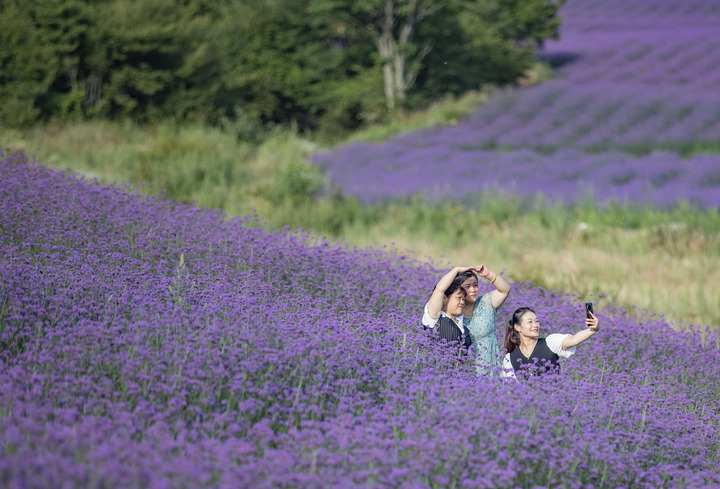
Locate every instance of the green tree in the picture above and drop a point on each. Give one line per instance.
(485, 42)
(39, 43)
(112, 58)
(137, 50)
(327, 65)
(392, 26)
(477, 38)
(280, 62)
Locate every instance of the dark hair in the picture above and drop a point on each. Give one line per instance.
(512, 338)
(455, 285)
(461, 277)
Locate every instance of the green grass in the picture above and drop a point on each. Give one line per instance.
(667, 261)
(446, 112)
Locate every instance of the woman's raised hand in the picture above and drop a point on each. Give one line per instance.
(592, 322)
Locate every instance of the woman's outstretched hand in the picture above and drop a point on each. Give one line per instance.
(592, 322)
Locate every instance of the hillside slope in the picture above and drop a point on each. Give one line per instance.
(149, 344)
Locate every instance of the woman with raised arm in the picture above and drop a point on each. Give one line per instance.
(443, 311)
(477, 318)
(527, 354)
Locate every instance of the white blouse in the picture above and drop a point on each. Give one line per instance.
(431, 322)
(554, 342)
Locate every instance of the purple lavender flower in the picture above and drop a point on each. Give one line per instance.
(148, 344)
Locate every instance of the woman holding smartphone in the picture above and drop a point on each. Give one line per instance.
(527, 354)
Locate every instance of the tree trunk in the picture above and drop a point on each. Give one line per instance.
(387, 47)
(397, 75)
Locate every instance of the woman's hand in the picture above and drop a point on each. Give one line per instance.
(502, 287)
(482, 270)
(592, 322)
(593, 325)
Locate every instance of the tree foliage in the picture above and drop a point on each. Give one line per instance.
(325, 65)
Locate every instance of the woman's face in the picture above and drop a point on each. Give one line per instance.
(529, 325)
(471, 287)
(454, 303)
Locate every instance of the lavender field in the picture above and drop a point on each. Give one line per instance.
(150, 344)
(632, 116)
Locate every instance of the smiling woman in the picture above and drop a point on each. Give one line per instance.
(444, 310)
(479, 316)
(457, 312)
(530, 355)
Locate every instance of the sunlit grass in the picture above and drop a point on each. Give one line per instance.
(667, 261)
(447, 112)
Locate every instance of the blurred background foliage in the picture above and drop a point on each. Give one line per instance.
(249, 65)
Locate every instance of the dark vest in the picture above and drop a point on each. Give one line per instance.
(542, 359)
(449, 331)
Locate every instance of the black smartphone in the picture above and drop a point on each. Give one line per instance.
(588, 309)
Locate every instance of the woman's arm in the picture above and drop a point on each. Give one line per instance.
(593, 325)
(502, 288)
(435, 302)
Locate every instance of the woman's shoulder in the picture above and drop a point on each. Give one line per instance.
(430, 321)
(554, 342)
(555, 337)
(484, 300)
(484, 305)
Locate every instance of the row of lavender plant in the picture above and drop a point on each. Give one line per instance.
(592, 116)
(649, 12)
(635, 97)
(443, 171)
(147, 344)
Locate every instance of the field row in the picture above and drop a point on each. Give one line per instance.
(446, 172)
(632, 116)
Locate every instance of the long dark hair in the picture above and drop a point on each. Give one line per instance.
(512, 338)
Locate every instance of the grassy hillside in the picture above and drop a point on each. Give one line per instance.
(630, 116)
(147, 344)
(667, 261)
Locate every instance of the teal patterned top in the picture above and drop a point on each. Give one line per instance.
(481, 326)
